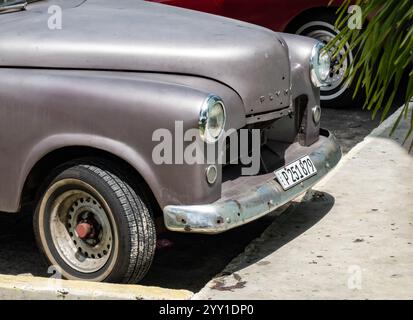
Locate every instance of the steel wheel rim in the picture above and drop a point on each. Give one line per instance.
(67, 210)
(336, 76)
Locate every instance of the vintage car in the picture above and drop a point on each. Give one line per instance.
(85, 86)
(310, 18)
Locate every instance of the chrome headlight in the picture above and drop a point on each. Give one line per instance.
(212, 119)
(319, 65)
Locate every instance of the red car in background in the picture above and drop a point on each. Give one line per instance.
(312, 18)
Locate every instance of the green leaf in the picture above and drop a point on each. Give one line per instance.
(383, 53)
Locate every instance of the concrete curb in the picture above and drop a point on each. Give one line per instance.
(36, 288)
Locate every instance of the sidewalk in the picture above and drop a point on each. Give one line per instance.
(351, 238)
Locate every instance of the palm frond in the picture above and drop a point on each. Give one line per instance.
(383, 53)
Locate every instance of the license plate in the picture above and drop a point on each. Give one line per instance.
(295, 172)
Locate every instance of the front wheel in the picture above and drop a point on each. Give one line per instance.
(93, 225)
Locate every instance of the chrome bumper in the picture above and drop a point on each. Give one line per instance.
(221, 215)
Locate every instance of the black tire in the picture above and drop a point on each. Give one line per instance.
(120, 241)
(320, 26)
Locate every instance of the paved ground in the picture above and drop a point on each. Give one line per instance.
(190, 264)
(352, 238)
(194, 259)
(349, 126)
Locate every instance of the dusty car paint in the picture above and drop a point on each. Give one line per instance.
(107, 86)
(127, 44)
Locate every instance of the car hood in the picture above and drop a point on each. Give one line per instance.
(133, 35)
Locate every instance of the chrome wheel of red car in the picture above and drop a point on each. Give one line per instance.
(336, 82)
(339, 91)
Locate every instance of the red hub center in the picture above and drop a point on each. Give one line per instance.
(84, 230)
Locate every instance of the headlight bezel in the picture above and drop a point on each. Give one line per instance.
(316, 55)
(205, 117)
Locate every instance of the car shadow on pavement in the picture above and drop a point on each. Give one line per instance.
(298, 219)
(196, 259)
(19, 254)
(191, 262)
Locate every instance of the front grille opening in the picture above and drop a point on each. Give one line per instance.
(271, 154)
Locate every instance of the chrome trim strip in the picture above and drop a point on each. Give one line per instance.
(13, 6)
(269, 115)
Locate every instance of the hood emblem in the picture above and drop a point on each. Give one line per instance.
(271, 96)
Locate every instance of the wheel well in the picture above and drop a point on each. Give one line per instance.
(45, 166)
(295, 23)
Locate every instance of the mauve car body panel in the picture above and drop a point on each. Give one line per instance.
(222, 49)
(119, 70)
